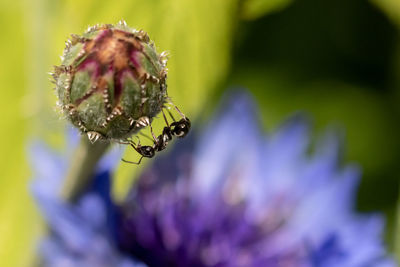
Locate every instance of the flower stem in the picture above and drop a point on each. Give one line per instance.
(81, 170)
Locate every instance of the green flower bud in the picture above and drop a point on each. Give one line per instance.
(111, 81)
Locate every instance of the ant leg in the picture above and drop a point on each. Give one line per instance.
(176, 108)
(132, 144)
(170, 114)
(165, 118)
(122, 142)
(152, 133)
(131, 162)
(126, 141)
(137, 139)
(180, 112)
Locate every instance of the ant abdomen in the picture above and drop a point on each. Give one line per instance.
(181, 128)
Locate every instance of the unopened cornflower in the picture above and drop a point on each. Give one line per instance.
(111, 81)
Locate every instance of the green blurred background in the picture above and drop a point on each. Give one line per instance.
(337, 60)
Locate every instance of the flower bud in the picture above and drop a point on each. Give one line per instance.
(111, 78)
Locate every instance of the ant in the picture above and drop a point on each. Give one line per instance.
(177, 128)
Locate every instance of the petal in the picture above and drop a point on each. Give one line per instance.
(232, 138)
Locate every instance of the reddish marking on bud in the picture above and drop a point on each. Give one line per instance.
(113, 47)
(86, 96)
(112, 51)
(126, 74)
(117, 85)
(102, 35)
(92, 66)
(134, 59)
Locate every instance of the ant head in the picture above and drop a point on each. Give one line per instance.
(146, 151)
(181, 128)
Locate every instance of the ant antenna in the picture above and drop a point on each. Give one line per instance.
(131, 162)
(131, 143)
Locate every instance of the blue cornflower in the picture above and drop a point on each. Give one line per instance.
(80, 235)
(230, 197)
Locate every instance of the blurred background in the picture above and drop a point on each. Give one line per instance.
(336, 60)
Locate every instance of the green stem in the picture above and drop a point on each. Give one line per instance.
(80, 172)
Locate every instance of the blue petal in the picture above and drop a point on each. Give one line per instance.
(110, 160)
(45, 163)
(291, 140)
(65, 224)
(231, 138)
(91, 209)
(282, 158)
(313, 214)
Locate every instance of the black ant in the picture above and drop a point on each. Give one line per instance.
(178, 128)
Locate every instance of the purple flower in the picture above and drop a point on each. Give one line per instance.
(81, 235)
(232, 197)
